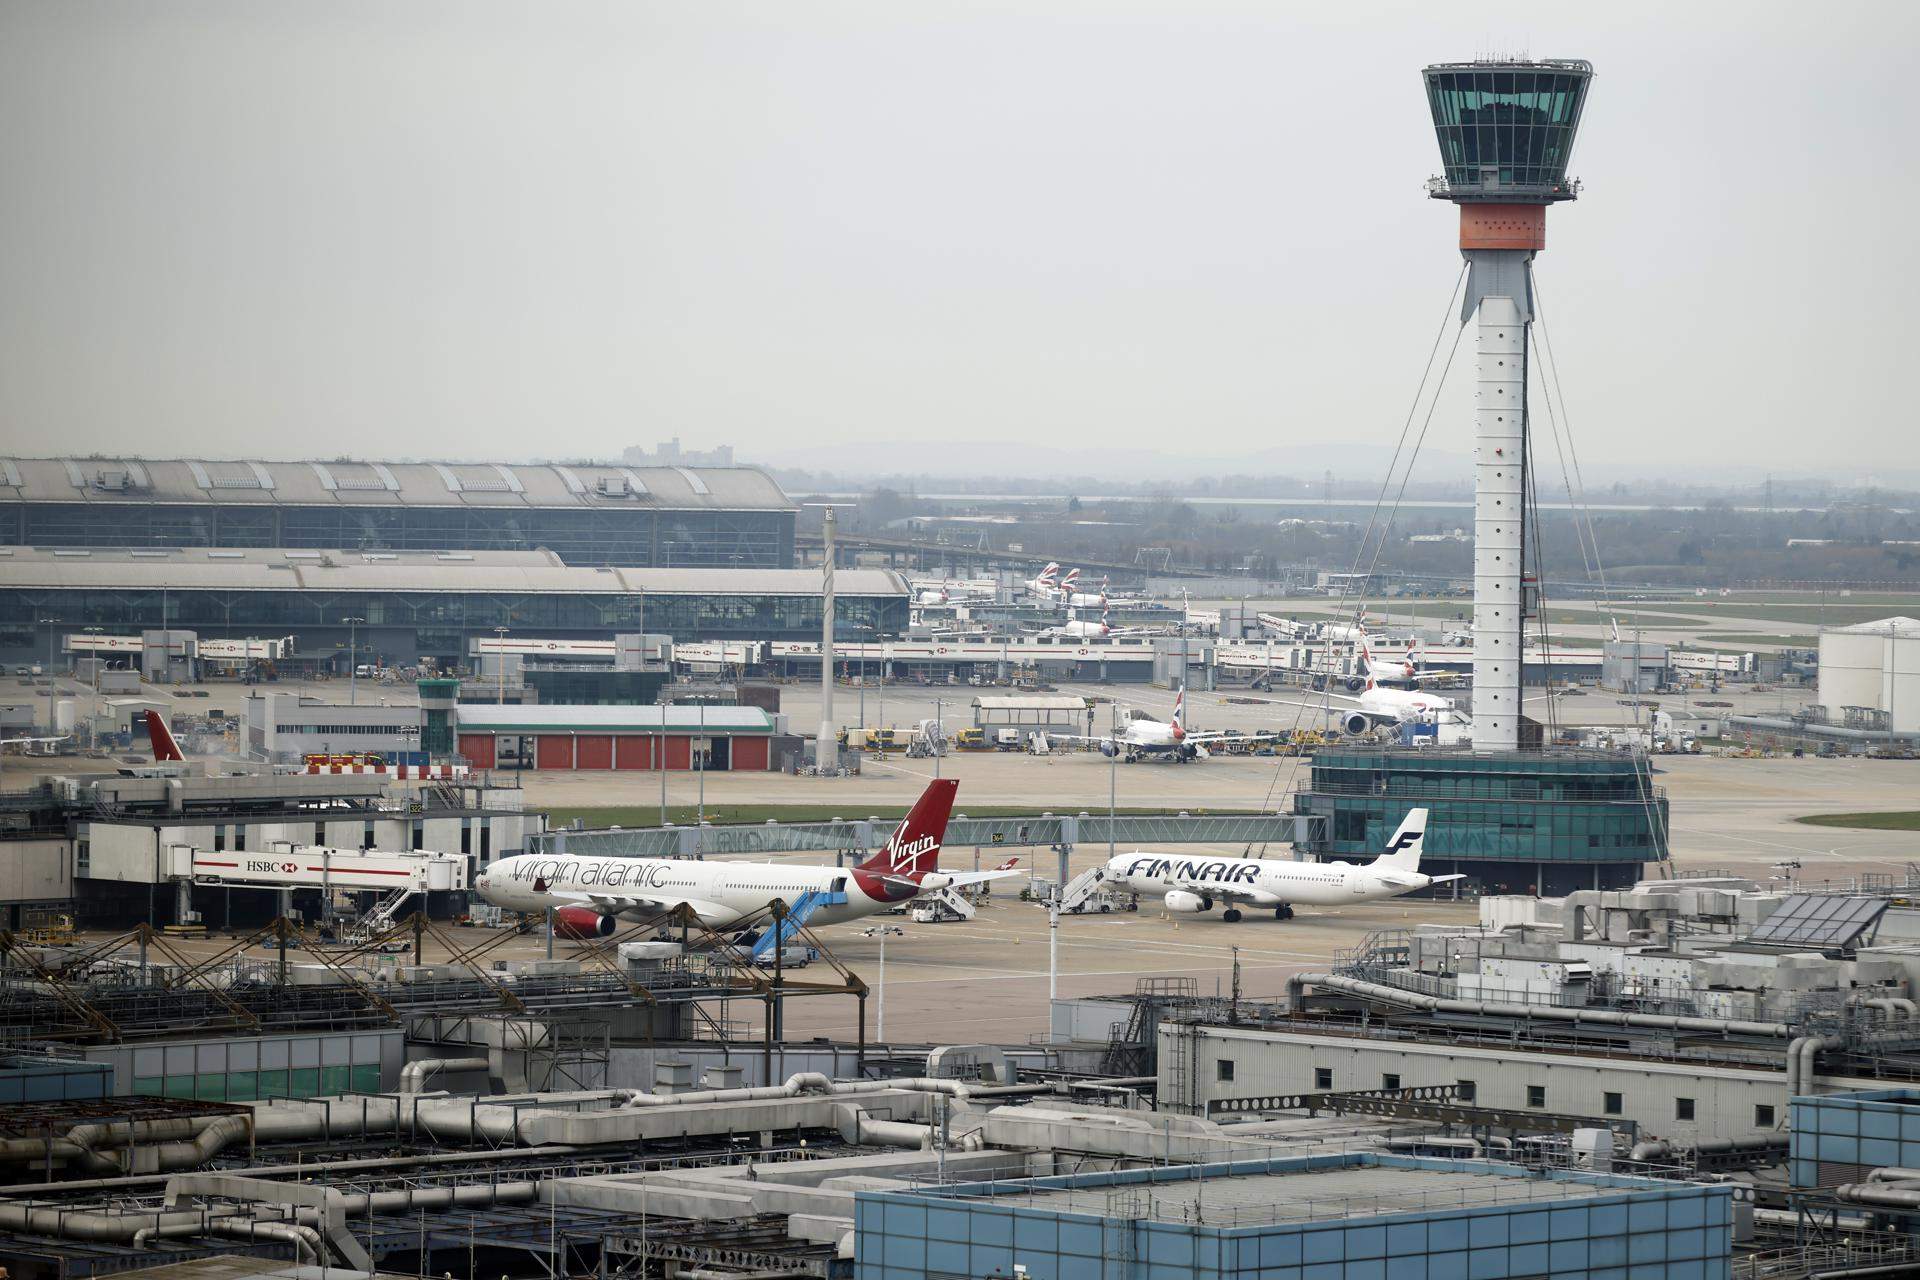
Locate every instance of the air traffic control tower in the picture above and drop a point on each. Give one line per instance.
(1506, 132)
(1511, 820)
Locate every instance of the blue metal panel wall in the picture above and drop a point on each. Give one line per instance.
(1875, 1128)
(1645, 1232)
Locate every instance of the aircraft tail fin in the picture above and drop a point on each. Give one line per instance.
(913, 850)
(165, 749)
(1403, 851)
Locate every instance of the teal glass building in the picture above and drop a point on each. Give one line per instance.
(1356, 1215)
(1512, 822)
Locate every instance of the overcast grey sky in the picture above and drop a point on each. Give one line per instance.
(464, 229)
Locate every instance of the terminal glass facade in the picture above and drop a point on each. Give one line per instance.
(1506, 125)
(404, 626)
(630, 538)
(1524, 821)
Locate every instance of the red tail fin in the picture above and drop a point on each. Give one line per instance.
(165, 749)
(914, 847)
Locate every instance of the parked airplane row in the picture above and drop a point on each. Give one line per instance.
(594, 896)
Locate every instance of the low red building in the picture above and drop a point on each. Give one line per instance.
(602, 737)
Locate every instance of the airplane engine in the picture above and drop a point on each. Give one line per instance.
(1109, 748)
(1189, 904)
(582, 924)
(1355, 684)
(1356, 724)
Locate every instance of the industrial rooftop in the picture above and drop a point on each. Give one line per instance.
(340, 482)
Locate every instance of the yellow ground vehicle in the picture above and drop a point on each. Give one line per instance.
(48, 928)
(971, 739)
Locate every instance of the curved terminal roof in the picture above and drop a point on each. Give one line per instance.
(378, 484)
(259, 569)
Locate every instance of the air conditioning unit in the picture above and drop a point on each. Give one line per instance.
(112, 481)
(612, 487)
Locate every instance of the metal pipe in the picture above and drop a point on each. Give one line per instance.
(1879, 1193)
(305, 1240)
(415, 1073)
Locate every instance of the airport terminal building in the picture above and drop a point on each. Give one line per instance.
(586, 514)
(397, 608)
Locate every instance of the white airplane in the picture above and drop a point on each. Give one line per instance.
(592, 896)
(1157, 739)
(1078, 629)
(1405, 671)
(1044, 584)
(1192, 886)
(1376, 704)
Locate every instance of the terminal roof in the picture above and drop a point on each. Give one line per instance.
(341, 482)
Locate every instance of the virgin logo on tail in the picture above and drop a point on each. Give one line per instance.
(913, 850)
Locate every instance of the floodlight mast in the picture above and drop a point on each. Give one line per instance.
(1506, 131)
(826, 747)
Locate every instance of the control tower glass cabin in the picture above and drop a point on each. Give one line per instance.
(1506, 128)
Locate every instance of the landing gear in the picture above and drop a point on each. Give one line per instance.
(1283, 913)
(1231, 915)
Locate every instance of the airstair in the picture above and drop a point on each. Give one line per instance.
(382, 915)
(787, 926)
(943, 906)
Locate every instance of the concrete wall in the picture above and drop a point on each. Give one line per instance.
(36, 870)
(1272, 1063)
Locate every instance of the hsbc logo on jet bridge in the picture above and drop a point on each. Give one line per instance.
(901, 856)
(1220, 871)
(283, 868)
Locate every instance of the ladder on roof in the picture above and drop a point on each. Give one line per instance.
(783, 930)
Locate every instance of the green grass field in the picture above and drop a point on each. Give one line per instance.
(1897, 820)
(685, 814)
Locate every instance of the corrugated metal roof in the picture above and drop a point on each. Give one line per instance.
(1038, 702)
(542, 719)
(410, 484)
(1227, 1200)
(1883, 627)
(263, 569)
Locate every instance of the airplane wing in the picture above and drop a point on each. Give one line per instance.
(1330, 702)
(1226, 892)
(961, 879)
(616, 903)
(10, 742)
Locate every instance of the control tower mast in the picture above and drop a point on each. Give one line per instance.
(1506, 132)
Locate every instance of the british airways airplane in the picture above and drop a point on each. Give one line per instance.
(1193, 885)
(594, 895)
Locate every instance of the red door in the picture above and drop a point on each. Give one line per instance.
(554, 751)
(750, 754)
(478, 749)
(679, 753)
(632, 751)
(596, 752)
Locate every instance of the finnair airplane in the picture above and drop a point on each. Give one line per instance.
(594, 895)
(1192, 886)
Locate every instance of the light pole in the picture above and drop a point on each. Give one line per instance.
(51, 624)
(353, 659)
(882, 931)
(700, 764)
(93, 722)
(938, 734)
